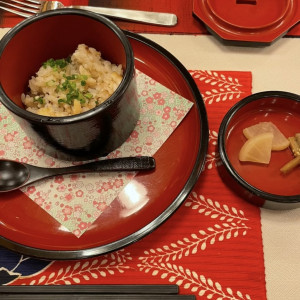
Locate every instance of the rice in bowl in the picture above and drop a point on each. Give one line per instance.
(71, 86)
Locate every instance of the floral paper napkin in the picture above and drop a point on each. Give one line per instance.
(77, 200)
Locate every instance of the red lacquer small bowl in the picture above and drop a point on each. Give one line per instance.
(261, 184)
(56, 34)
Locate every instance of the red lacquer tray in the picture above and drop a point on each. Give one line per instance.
(145, 203)
(251, 21)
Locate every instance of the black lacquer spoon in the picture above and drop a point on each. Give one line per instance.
(14, 175)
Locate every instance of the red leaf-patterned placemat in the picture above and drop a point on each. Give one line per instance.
(211, 247)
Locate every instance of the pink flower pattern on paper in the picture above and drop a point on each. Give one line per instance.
(9, 137)
(24, 160)
(39, 199)
(68, 197)
(67, 211)
(166, 116)
(77, 200)
(31, 190)
(101, 205)
(107, 186)
(58, 179)
(27, 143)
(134, 134)
(151, 128)
(79, 193)
(61, 188)
(167, 109)
(149, 100)
(118, 183)
(156, 95)
(161, 101)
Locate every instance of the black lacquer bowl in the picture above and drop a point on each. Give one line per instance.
(56, 34)
(263, 185)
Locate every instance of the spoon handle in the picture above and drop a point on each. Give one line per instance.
(118, 164)
(106, 165)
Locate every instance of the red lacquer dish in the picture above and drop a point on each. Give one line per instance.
(248, 20)
(145, 203)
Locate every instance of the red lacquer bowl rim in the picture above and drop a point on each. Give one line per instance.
(223, 129)
(196, 169)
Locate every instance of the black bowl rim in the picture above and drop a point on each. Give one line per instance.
(127, 76)
(222, 151)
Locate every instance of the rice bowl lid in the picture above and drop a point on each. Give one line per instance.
(127, 75)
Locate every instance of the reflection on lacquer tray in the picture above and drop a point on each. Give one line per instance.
(132, 198)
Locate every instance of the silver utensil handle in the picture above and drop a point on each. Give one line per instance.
(158, 18)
